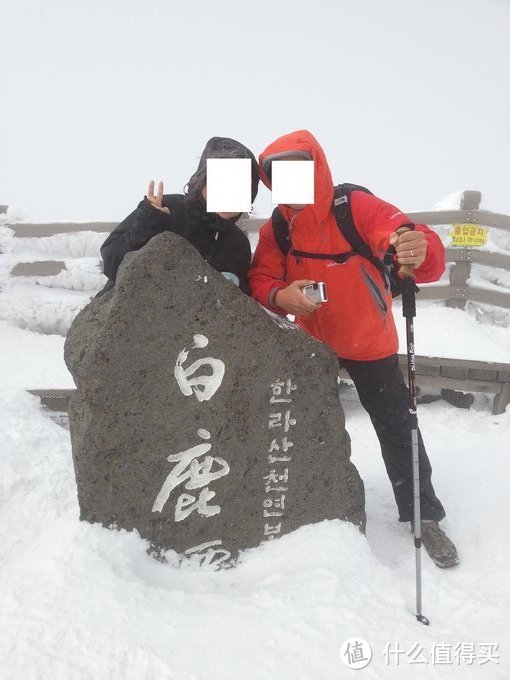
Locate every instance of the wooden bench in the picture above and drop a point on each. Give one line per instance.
(460, 375)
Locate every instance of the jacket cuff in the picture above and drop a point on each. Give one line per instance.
(155, 215)
(271, 302)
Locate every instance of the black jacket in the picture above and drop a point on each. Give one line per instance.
(220, 242)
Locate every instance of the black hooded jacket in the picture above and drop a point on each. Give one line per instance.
(220, 242)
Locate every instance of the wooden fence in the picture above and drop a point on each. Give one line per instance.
(456, 294)
(437, 372)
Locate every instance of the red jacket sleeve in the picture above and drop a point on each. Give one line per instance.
(376, 220)
(268, 268)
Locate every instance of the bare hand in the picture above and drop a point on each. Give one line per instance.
(156, 200)
(410, 247)
(293, 301)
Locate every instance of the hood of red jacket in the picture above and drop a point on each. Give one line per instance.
(300, 141)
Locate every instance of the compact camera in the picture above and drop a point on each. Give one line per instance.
(316, 292)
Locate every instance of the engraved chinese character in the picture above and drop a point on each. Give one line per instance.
(194, 474)
(203, 386)
(186, 503)
(209, 554)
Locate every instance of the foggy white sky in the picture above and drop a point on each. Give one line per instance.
(408, 97)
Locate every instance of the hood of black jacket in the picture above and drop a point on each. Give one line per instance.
(224, 147)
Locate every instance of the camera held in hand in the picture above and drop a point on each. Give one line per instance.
(316, 292)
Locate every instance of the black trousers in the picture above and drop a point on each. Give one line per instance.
(384, 395)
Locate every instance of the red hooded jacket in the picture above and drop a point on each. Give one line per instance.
(356, 322)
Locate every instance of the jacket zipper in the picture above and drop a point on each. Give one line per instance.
(207, 258)
(375, 292)
(296, 257)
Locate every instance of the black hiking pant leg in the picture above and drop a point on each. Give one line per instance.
(384, 395)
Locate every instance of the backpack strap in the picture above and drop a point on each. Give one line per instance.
(282, 236)
(281, 231)
(339, 258)
(345, 221)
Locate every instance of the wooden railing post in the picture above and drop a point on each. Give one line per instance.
(461, 271)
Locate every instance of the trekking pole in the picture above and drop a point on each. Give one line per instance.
(409, 290)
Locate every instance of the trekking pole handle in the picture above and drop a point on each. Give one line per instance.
(406, 270)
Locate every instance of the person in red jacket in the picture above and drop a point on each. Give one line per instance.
(357, 320)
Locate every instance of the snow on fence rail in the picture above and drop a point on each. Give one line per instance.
(455, 294)
(436, 372)
(458, 292)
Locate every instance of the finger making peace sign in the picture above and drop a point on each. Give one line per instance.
(156, 200)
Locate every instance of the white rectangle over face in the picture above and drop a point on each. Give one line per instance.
(228, 184)
(292, 182)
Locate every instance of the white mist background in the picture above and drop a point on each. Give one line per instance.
(410, 98)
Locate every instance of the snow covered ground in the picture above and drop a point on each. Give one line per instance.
(79, 602)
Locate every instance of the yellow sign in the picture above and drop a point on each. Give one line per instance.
(470, 235)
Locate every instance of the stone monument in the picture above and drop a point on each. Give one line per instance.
(201, 420)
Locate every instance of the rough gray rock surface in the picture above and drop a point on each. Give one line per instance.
(257, 447)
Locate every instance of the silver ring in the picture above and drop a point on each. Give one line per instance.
(411, 252)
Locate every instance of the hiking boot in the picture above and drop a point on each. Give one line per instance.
(441, 550)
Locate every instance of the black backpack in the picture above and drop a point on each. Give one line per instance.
(344, 219)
